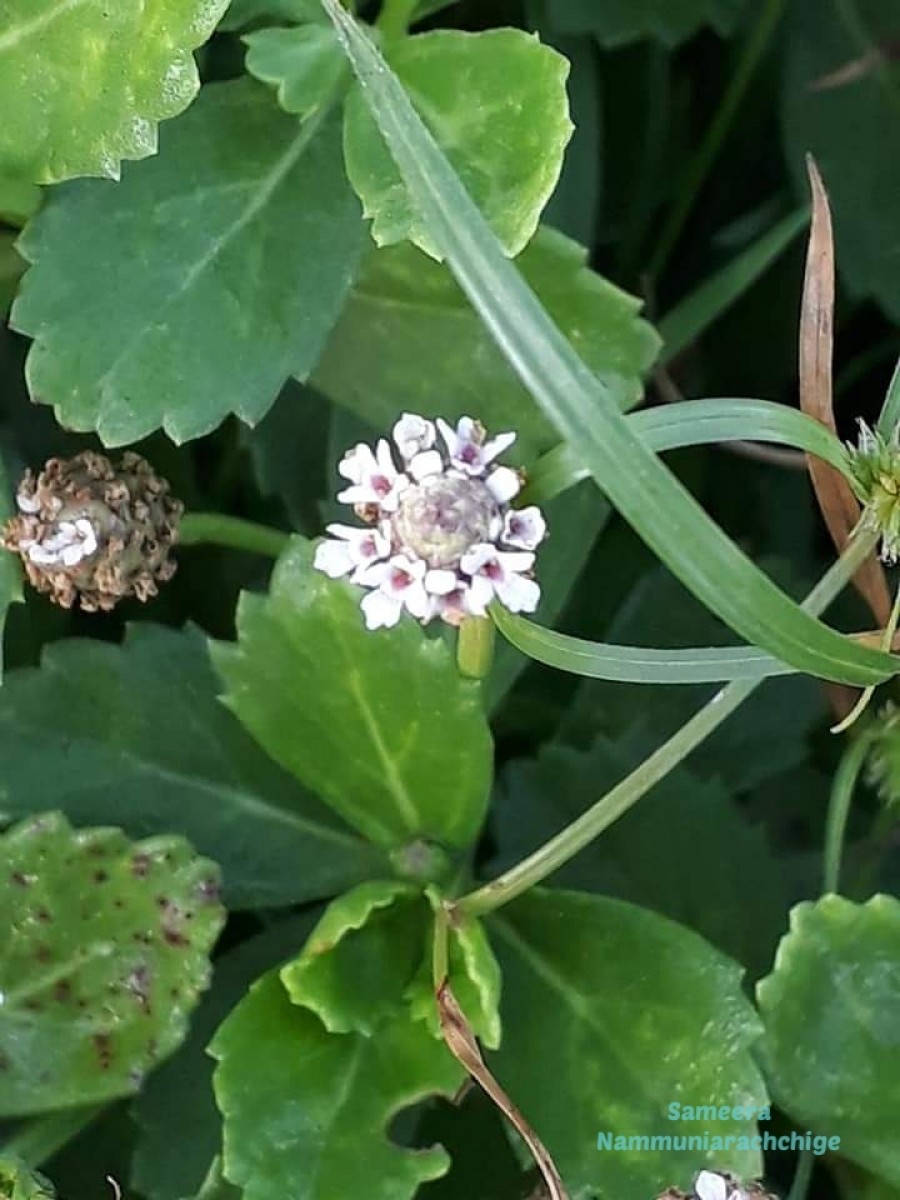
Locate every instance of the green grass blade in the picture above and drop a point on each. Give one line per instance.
(635, 664)
(693, 315)
(584, 410)
(698, 423)
(890, 412)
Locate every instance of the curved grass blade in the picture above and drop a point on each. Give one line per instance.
(698, 423)
(584, 410)
(635, 664)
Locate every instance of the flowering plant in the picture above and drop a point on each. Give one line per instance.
(463, 792)
(443, 541)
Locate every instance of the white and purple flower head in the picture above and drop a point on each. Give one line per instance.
(441, 539)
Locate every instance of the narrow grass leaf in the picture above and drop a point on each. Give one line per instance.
(698, 423)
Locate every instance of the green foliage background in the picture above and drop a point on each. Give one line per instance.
(209, 253)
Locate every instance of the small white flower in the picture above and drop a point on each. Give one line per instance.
(72, 542)
(503, 484)
(524, 528)
(501, 573)
(711, 1185)
(442, 541)
(27, 504)
(467, 448)
(352, 549)
(459, 604)
(425, 464)
(374, 477)
(399, 584)
(413, 434)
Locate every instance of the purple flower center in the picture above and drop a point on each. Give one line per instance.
(443, 517)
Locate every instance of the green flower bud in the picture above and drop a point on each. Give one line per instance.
(875, 469)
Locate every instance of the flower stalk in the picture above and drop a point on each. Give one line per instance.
(219, 530)
(475, 647)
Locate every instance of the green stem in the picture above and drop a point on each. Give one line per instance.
(842, 789)
(440, 959)
(699, 166)
(802, 1176)
(41, 1138)
(475, 647)
(219, 530)
(551, 856)
(396, 17)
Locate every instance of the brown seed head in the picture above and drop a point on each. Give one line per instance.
(90, 531)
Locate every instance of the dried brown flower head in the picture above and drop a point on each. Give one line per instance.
(95, 532)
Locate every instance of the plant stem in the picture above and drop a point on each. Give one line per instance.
(40, 1139)
(220, 530)
(551, 856)
(700, 164)
(395, 17)
(842, 789)
(440, 960)
(475, 647)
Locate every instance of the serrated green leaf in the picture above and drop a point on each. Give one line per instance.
(253, 235)
(84, 84)
(379, 724)
(360, 959)
(105, 955)
(652, 856)
(406, 310)
(849, 123)
(668, 21)
(180, 1126)
(306, 1112)
(98, 722)
(586, 413)
(622, 1012)
(831, 1050)
(505, 129)
(305, 64)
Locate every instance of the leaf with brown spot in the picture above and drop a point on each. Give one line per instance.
(97, 980)
(836, 501)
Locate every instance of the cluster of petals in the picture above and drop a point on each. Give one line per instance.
(64, 544)
(440, 538)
